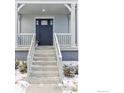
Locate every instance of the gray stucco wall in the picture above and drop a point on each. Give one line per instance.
(21, 55)
(60, 23)
(66, 55)
(70, 55)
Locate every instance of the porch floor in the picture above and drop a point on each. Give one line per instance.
(44, 88)
(22, 48)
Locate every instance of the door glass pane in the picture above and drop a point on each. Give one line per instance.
(37, 22)
(51, 22)
(44, 22)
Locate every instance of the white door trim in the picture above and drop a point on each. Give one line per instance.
(45, 17)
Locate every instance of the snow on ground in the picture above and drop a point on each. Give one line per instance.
(20, 82)
(70, 85)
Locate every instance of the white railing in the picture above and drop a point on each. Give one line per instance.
(64, 39)
(59, 57)
(30, 55)
(24, 39)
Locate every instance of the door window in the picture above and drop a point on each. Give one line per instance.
(44, 22)
(37, 22)
(51, 22)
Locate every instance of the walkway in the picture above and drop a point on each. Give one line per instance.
(43, 88)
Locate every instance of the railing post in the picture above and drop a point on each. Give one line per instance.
(72, 19)
(28, 67)
(61, 69)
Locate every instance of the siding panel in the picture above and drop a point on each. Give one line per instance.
(66, 55)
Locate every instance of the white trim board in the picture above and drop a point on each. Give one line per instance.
(27, 48)
(74, 63)
(22, 49)
(69, 48)
(46, 2)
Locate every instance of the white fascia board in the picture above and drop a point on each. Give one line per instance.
(45, 2)
(67, 6)
(20, 7)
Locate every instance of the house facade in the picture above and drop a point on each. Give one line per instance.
(46, 36)
(44, 18)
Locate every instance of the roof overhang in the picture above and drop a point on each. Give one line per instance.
(50, 9)
(46, 1)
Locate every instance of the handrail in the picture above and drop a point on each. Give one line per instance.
(59, 57)
(63, 34)
(25, 33)
(30, 55)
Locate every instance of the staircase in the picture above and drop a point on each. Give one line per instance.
(44, 69)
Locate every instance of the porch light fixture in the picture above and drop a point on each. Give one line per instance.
(43, 10)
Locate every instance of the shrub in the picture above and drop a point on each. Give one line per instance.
(23, 67)
(16, 64)
(76, 68)
(69, 71)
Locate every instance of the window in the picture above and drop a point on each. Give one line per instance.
(51, 22)
(37, 22)
(44, 22)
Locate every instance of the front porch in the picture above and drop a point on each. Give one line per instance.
(64, 23)
(24, 41)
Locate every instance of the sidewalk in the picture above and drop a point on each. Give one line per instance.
(43, 88)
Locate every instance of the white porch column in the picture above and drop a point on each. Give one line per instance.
(16, 25)
(19, 22)
(72, 24)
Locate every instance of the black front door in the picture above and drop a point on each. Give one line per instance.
(44, 31)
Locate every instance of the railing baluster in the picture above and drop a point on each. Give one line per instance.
(64, 39)
(24, 39)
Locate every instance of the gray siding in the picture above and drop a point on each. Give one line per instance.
(70, 55)
(21, 55)
(27, 23)
(66, 55)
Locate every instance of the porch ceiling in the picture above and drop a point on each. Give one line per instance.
(49, 9)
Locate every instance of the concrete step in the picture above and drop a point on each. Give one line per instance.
(44, 58)
(45, 47)
(45, 51)
(51, 63)
(44, 88)
(45, 55)
(47, 80)
(44, 68)
(44, 74)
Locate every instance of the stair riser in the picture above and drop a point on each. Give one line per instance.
(44, 55)
(45, 59)
(44, 51)
(45, 63)
(44, 69)
(42, 48)
(44, 81)
(44, 75)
